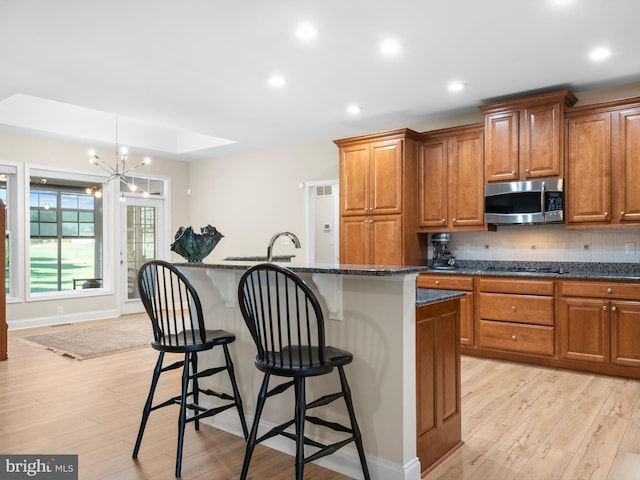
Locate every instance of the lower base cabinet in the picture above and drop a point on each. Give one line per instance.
(437, 382)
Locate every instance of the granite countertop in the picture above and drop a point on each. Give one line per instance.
(427, 296)
(560, 270)
(331, 268)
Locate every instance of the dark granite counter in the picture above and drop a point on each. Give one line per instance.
(426, 296)
(331, 268)
(560, 270)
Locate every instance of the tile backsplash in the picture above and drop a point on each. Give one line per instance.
(543, 243)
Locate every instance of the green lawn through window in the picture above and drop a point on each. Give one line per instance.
(78, 261)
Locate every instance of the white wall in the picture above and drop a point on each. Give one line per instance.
(251, 196)
(68, 155)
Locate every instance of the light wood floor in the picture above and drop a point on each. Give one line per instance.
(519, 422)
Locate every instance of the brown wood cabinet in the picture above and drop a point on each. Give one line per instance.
(451, 179)
(603, 145)
(438, 397)
(516, 316)
(600, 322)
(467, 307)
(371, 240)
(378, 199)
(524, 137)
(3, 298)
(371, 175)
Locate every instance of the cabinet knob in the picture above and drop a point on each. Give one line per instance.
(513, 337)
(513, 172)
(527, 171)
(454, 220)
(437, 282)
(604, 307)
(513, 308)
(609, 290)
(622, 214)
(614, 309)
(443, 220)
(606, 214)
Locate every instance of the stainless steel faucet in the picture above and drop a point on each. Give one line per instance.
(294, 239)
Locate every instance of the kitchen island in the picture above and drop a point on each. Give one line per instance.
(369, 311)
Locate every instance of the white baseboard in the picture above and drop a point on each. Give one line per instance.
(344, 461)
(61, 319)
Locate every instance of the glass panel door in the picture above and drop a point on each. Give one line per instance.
(142, 241)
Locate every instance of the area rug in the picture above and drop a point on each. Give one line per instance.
(96, 341)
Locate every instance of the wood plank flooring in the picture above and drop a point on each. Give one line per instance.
(519, 422)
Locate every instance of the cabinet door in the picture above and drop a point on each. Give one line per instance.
(502, 146)
(589, 165)
(584, 329)
(437, 382)
(466, 320)
(385, 177)
(625, 331)
(385, 246)
(432, 184)
(540, 142)
(466, 180)
(354, 179)
(628, 166)
(354, 240)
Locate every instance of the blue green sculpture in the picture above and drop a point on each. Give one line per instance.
(194, 247)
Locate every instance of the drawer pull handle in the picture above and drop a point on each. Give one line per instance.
(513, 308)
(614, 309)
(513, 337)
(609, 290)
(604, 307)
(437, 282)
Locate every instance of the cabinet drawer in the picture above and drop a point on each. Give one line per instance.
(627, 291)
(516, 285)
(516, 308)
(515, 337)
(446, 282)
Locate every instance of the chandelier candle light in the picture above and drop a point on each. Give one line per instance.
(119, 170)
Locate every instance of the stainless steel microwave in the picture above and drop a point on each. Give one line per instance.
(513, 203)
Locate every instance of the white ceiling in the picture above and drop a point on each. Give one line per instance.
(196, 69)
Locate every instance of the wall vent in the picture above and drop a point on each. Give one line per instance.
(324, 191)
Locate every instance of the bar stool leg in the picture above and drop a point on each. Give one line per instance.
(195, 386)
(148, 404)
(253, 435)
(354, 424)
(299, 420)
(182, 420)
(236, 391)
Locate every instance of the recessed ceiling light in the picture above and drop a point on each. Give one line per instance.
(277, 81)
(599, 54)
(455, 86)
(390, 47)
(354, 109)
(306, 31)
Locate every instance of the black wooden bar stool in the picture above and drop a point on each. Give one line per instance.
(287, 326)
(178, 327)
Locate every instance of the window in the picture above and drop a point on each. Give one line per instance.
(8, 194)
(66, 224)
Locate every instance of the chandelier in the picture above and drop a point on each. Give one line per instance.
(117, 171)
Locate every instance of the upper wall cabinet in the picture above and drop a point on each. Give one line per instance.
(524, 137)
(603, 164)
(451, 179)
(378, 199)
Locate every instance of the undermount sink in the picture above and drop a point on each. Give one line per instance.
(261, 258)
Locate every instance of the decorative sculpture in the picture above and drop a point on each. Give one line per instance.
(194, 247)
